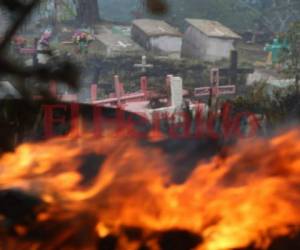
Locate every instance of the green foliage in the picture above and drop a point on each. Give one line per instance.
(256, 100)
(240, 15)
(277, 14)
(230, 12)
(282, 107)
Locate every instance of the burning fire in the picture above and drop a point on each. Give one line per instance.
(112, 190)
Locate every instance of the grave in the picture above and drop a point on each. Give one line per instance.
(115, 44)
(143, 65)
(176, 92)
(215, 90)
(275, 49)
(208, 40)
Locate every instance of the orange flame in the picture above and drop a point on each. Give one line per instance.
(249, 197)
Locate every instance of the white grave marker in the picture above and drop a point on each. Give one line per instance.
(144, 66)
(176, 91)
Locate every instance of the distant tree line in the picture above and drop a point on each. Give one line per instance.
(241, 15)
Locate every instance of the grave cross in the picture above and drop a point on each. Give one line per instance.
(234, 71)
(215, 90)
(143, 65)
(276, 48)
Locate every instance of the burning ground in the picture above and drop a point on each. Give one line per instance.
(112, 192)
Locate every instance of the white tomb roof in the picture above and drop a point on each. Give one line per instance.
(212, 28)
(154, 28)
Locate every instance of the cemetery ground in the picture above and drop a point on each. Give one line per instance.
(195, 73)
(98, 68)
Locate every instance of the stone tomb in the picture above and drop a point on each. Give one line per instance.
(208, 40)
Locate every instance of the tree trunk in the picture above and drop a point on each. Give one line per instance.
(88, 12)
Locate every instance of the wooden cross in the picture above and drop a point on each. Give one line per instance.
(215, 90)
(233, 71)
(144, 66)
